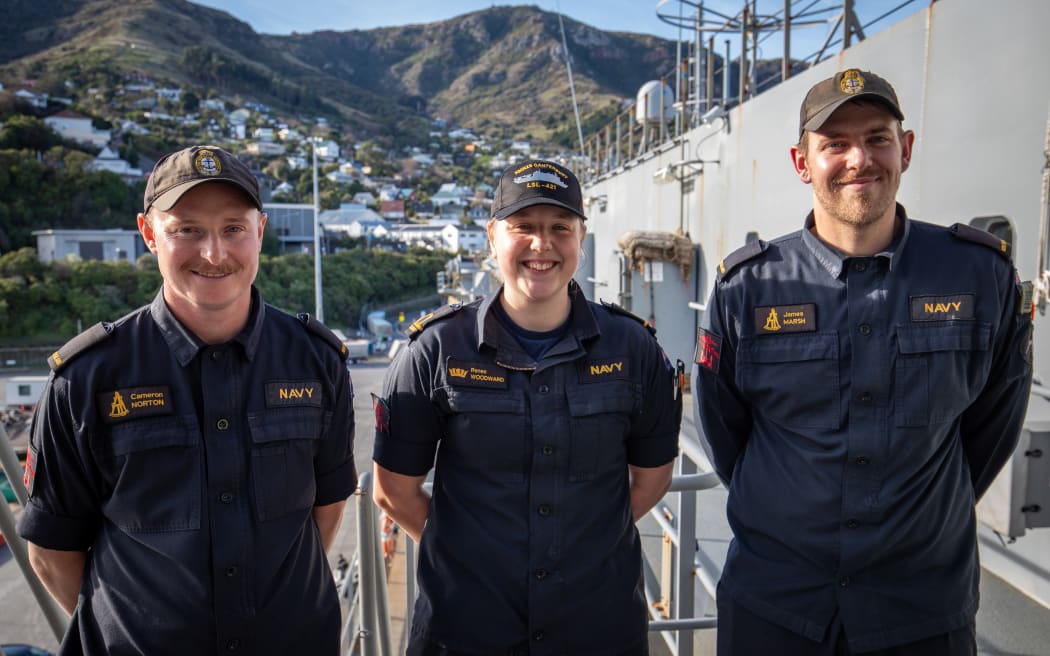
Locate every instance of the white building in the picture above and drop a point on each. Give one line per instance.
(25, 390)
(108, 160)
(469, 238)
(114, 245)
(77, 127)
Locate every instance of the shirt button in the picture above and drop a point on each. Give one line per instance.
(538, 635)
(852, 523)
(226, 497)
(544, 510)
(543, 389)
(233, 645)
(540, 573)
(844, 582)
(216, 355)
(864, 329)
(231, 570)
(865, 397)
(860, 266)
(547, 450)
(862, 461)
(222, 424)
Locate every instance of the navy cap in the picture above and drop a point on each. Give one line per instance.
(178, 172)
(537, 182)
(828, 95)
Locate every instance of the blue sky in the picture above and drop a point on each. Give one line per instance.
(283, 17)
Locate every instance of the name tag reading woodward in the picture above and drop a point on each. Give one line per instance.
(476, 374)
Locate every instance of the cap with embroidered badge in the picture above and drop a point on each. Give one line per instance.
(178, 172)
(537, 182)
(826, 96)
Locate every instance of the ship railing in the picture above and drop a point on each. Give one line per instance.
(55, 616)
(670, 583)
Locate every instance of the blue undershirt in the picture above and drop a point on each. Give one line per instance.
(535, 343)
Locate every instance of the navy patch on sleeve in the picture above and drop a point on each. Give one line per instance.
(942, 308)
(708, 350)
(599, 371)
(293, 392)
(29, 476)
(134, 403)
(382, 411)
(474, 374)
(786, 319)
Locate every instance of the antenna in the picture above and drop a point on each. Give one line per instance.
(572, 87)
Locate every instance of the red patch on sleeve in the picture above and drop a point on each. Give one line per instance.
(708, 350)
(382, 415)
(29, 476)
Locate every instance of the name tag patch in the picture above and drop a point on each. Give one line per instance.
(286, 393)
(786, 319)
(942, 308)
(472, 374)
(597, 371)
(133, 403)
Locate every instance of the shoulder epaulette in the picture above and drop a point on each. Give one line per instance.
(739, 256)
(983, 237)
(422, 322)
(79, 344)
(322, 331)
(613, 307)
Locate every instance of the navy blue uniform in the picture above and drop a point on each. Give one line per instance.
(856, 408)
(190, 472)
(529, 545)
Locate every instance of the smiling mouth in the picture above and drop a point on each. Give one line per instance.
(539, 266)
(211, 274)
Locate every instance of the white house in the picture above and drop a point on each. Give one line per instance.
(108, 160)
(364, 198)
(352, 219)
(77, 127)
(469, 238)
(38, 100)
(25, 390)
(263, 134)
(114, 244)
(327, 149)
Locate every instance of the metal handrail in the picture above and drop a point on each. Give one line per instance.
(374, 629)
(55, 616)
(688, 569)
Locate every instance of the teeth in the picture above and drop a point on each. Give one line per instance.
(539, 266)
(211, 274)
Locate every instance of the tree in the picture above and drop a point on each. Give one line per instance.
(28, 133)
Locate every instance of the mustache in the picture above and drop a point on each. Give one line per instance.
(866, 174)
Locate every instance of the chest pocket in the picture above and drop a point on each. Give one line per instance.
(154, 466)
(939, 365)
(487, 427)
(284, 442)
(601, 422)
(793, 379)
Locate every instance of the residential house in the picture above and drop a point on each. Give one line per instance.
(364, 198)
(392, 210)
(354, 220)
(327, 150)
(469, 238)
(77, 127)
(109, 160)
(38, 100)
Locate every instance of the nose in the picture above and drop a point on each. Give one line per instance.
(212, 249)
(541, 240)
(858, 157)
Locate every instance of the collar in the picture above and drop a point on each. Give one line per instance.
(185, 345)
(834, 260)
(582, 326)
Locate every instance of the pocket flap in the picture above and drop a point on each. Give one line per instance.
(601, 398)
(947, 336)
(485, 401)
(795, 347)
(283, 424)
(133, 436)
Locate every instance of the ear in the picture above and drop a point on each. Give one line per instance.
(907, 141)
(262, 228)
(798, 160)
(146, 230)
(490, 230)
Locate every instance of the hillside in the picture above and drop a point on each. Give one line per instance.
(500, 70)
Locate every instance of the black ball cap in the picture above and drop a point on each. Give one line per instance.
(537, 182)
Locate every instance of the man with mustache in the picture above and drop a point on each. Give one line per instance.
(858, 384)
(190, 462)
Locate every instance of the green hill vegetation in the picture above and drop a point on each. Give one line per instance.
(43, 304)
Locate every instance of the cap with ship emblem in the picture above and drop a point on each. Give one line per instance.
(178, 172)
(826, 96)
(537, 182)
